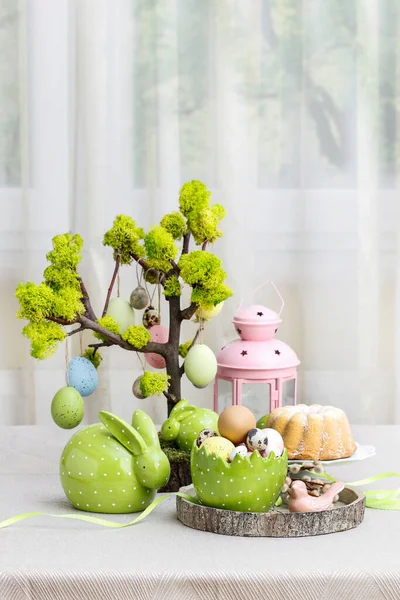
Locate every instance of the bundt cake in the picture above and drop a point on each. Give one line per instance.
(313, 432)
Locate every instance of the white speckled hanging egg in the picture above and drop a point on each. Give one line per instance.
(200, 365)
(67, 408)
(82, 375)
(150, 317)
(122, 313)
(139, 298)
(136, 391)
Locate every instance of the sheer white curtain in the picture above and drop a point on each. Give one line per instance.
(287, 109)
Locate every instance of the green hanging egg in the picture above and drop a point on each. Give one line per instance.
(67, 408)
(122, 313)
(200, 365)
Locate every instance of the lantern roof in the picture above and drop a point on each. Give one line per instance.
(269, 355)
(256, 314)
(256, 322)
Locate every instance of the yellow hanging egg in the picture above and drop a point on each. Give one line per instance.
(122, 313)
(202, 313)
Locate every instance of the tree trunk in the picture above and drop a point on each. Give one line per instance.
(172, 356)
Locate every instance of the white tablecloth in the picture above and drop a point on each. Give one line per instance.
(47, 558)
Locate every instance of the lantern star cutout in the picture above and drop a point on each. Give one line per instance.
(277, 352)
(243, 352)
(260, 314)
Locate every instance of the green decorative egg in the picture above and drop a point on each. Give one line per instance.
(67, 408)
(186, 422)
(122, 313)
(247, 484)
(113, 467)
(200, 365)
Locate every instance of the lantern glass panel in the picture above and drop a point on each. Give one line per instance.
(224, 394)
(288, 388)
(257, 396)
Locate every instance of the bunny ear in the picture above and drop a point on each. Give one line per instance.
(142, 423)
(123, 432)
(177, 408)
(185, 412)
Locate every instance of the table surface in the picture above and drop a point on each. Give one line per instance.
(47, 558)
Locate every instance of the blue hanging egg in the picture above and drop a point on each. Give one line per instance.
(82, 375)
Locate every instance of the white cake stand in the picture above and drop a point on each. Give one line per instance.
(362, 452)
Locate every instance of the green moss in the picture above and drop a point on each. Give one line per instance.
(67, 251)
(94, 357)
(124, 237)
(108, 323)
(137, 335)
(175, 224)
(201, 268)
(153, 384)
(193, 197)
(207, 298)
(67, 303)
(204, 225)
(184, 348)
(160, 248)
(36, 301)
(57, 278)
(174, 454)
(45, 337)
(172, 287)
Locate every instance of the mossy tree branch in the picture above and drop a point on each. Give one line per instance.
(115, 340)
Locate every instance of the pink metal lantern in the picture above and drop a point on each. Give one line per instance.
(257, 357)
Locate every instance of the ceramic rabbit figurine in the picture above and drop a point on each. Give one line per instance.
(185, 423)
(113, 467)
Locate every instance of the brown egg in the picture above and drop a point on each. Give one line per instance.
(235, 422)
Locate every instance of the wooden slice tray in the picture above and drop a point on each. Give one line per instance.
(346, 514)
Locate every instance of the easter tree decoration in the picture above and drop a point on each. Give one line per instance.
(165, 257)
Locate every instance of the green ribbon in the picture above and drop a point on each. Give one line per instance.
(382, 499)
(99, 520)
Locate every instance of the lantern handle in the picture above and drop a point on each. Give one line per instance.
(259, 288)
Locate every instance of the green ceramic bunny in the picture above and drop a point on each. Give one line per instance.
(185, 423)
(113, 467)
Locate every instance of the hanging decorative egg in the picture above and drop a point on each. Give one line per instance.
(122, 313)
(200, 365)
(136, 389)
(82, 375)
(139, 298)
(67, 408)
(202, 313)
(150, 317)
(158, 334)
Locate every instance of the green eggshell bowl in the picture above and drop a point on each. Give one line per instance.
(97, 474)
(203, 418)
(247, 484)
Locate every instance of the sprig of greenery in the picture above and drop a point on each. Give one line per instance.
(153, 384)
(175, 224)
(137, 336)
(45, 337)
(94, 357)
(124, 237)
(160, 248)
(108, 323)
